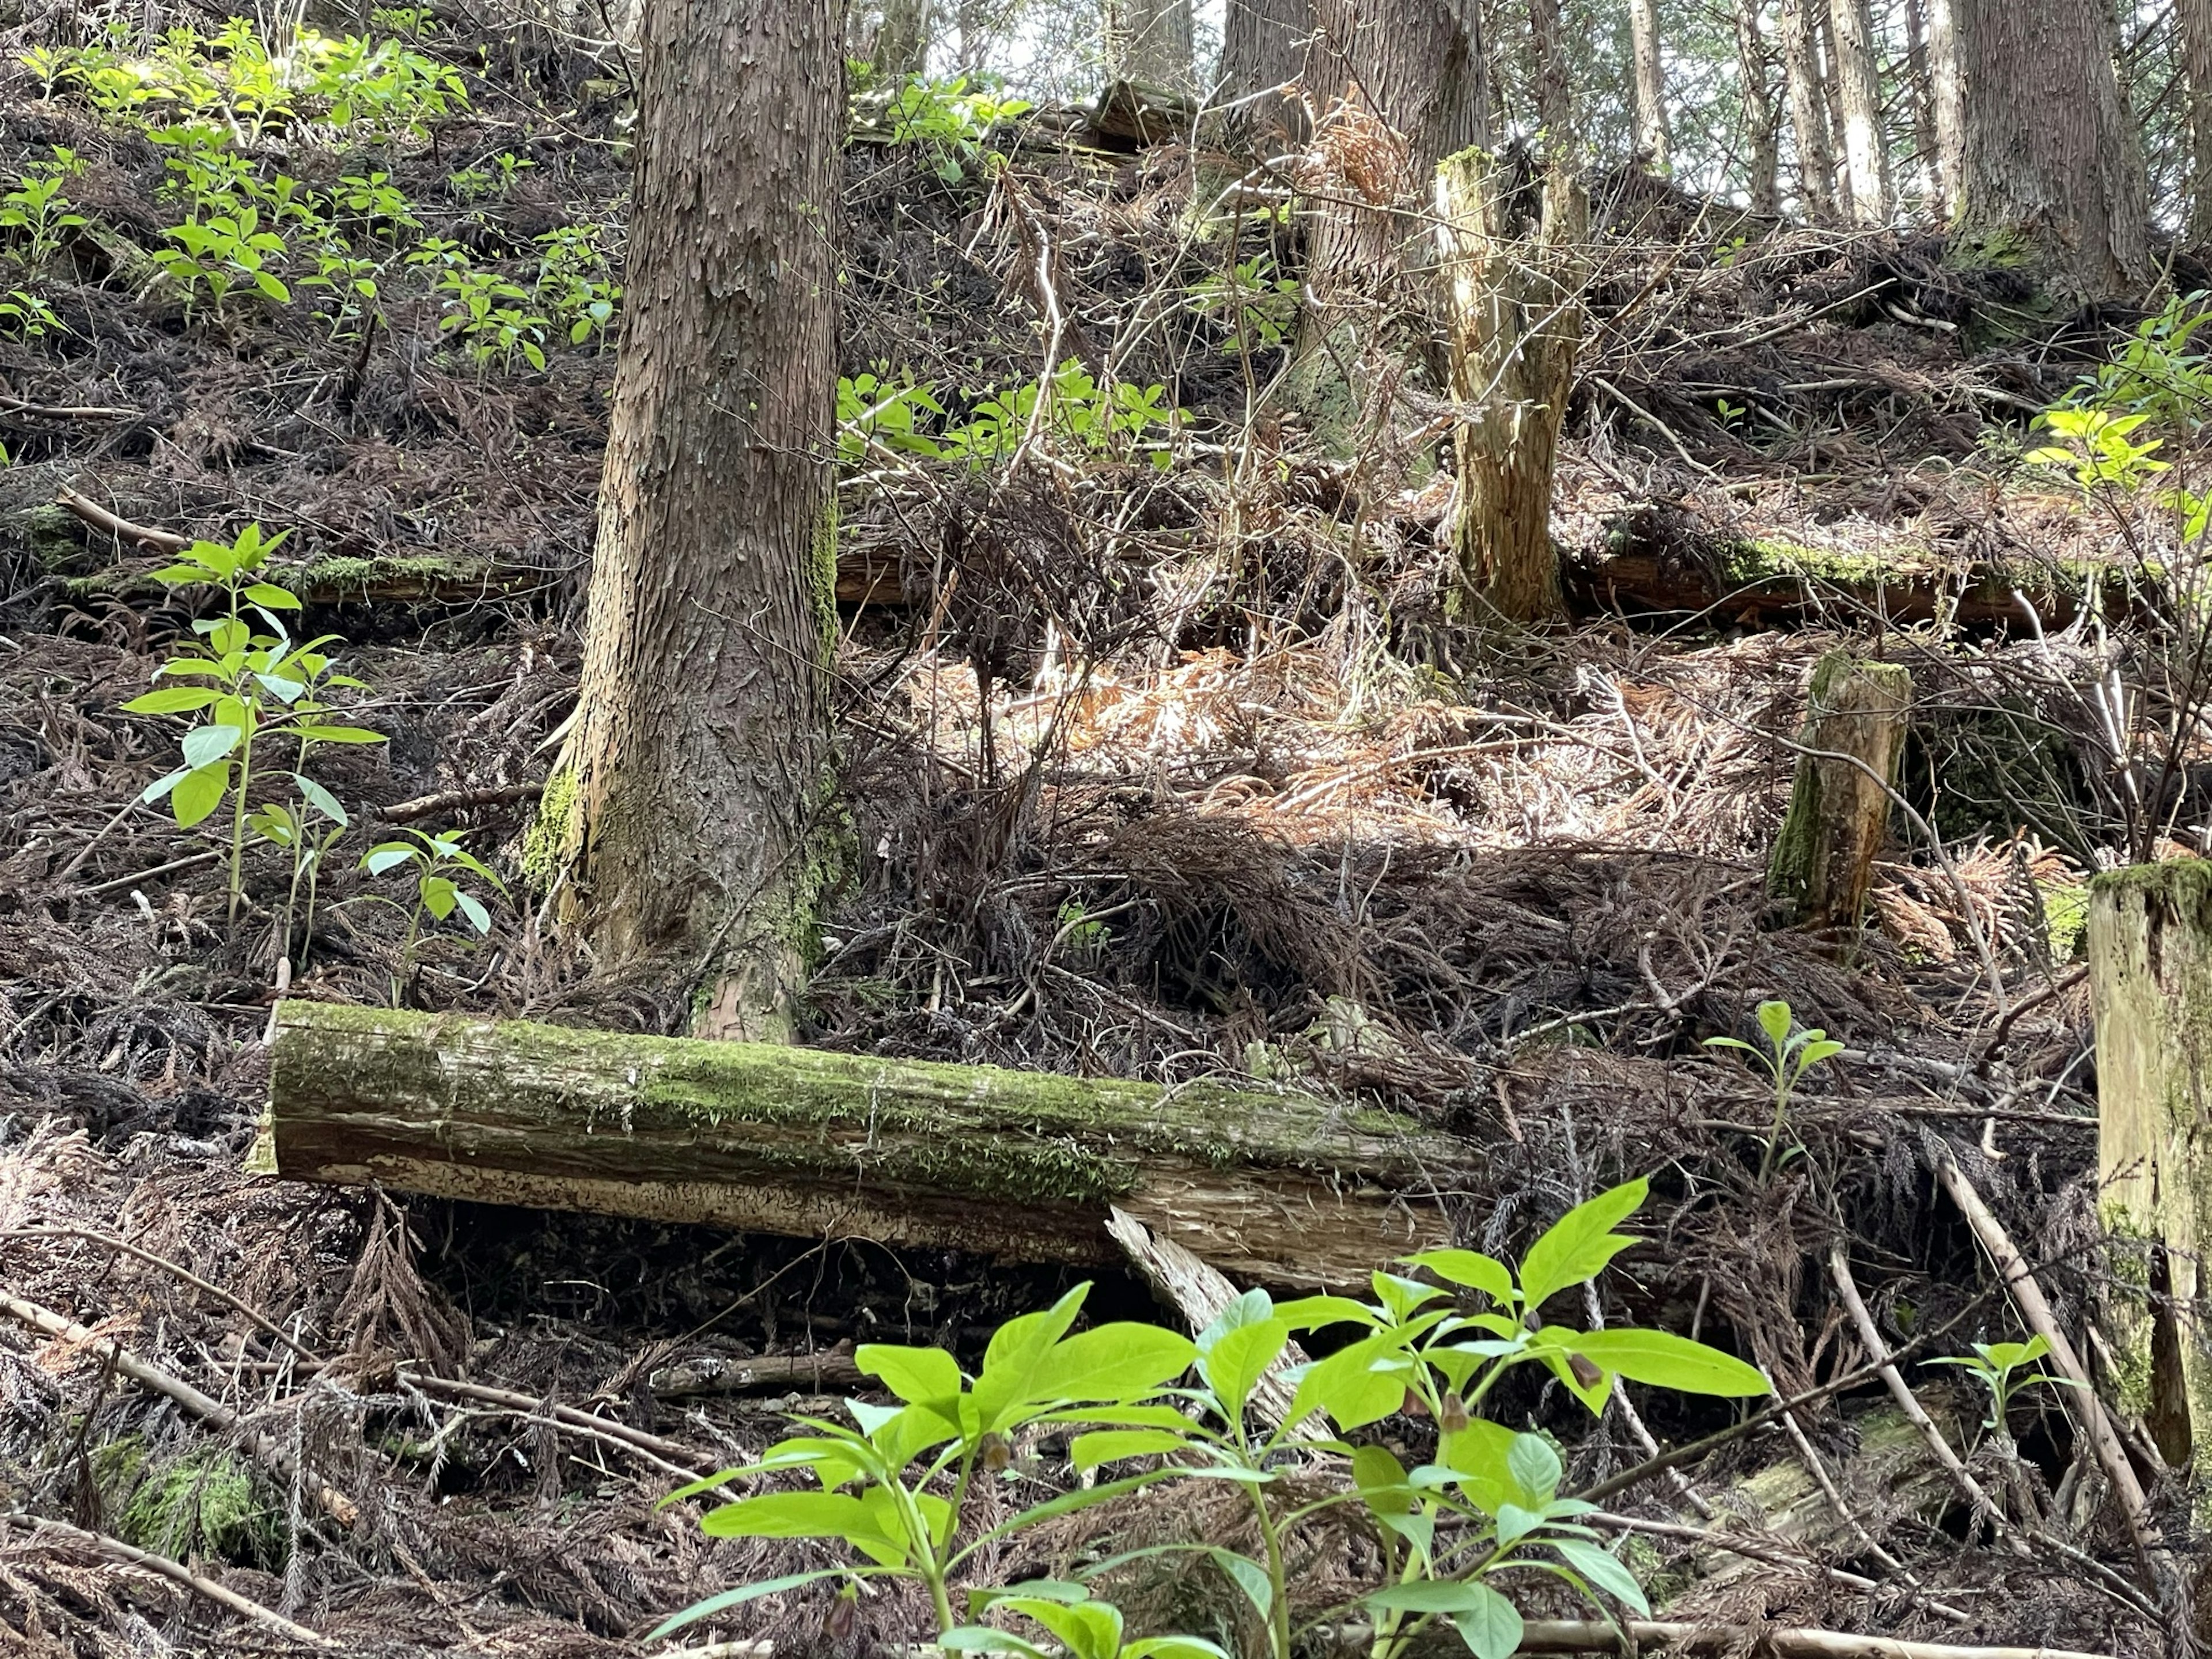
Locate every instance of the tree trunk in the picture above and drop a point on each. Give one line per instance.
(1858, 82)
(1263, 45)
(2195, 19)
(2150, 981)
(1755, 92)
(688, 816)
(1823, 859)
(1149, 45)
(2050, 176)
(1946, 99)
(766, 1138)
(1824, 47)
(1808, 111)
(901, 46)
(1920, 92)
(1651, 134)
(1516, 323)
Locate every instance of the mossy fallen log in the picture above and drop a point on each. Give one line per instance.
(1280, 1189)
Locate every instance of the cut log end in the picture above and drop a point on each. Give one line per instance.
(1855, 727)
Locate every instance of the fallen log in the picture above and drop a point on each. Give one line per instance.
(1272, 1188)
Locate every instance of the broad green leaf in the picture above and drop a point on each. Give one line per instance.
(276, 598)
(438, 896)
(738, 1597)
(1515, 1524)
(1603, 1570)
(1112, 1364)
(1534, 1467)
(1254, 1307)
(1491, 1627)
(172, 699)
(1248, 1576)
(920, 1376)
(1017, 1349)
(205, 745)
(1668, 1361)
(1400, 1296)
(1580, 1243)
(1089, 1630)
(389, 855)
(1471, 1268)
(1174, 1647)
(1233, 1366)
(472, 909)
(1357, 1385)
(1774, 1020)
(802, 1514)
(198, 792)
(322, 800)
(1426, 1596)
(982, 1638)
(338, 734)
(1088, 1452)
(1312, 1313)
(1480, 1455)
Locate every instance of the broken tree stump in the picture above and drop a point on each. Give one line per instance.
(1823, 862)
(2150, 982)
(1278, 1189)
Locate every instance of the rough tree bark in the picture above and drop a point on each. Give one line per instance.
(1945, 98)
(1263, 45)
(1823, 860)
(2150, 980)
(1920, 95)
(2048, 171)
(1808, 111)
(1824, 48)
(901, 46)
(1858, 83)
(1755, 94)
(2195, 19)
(1282, 1189)
(1148, 45)
(1652, 136)
(686, 818)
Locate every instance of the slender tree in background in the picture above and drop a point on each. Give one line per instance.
(901, 46)
(1148, 44)
(1263, 45)
(2194, 18)
(1755, 89)
(2048, 171)
(1808, 111)
(686, 817)
(1858, 86)
(1920, 96)
(1516, 269)
(1832, 101)
(1947, 102)
(1652, 138)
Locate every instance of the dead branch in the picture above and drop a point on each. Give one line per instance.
(680, 1458)
(456, 800)
(165, 541)
(92, 1235)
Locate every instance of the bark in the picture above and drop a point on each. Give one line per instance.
(1651, 134)
(1946, 99)
(1859, 84)
(1824, 46)
(2150, 980)
(1149, 44)
(1516, 324)
(2051, 175)
(1277, 1189)
(1808, 111)
(1263, 45)
(1756, 92)
(1920, 94)
(901, 46)
(687, 816)
(1838, 813)
(2194, 19)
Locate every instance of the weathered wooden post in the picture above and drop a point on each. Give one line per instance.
(2150, 980)
(1855, 720)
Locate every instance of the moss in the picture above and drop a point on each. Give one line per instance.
(204, 1503)
(554, 831)
(2065, 915)
(334, 580)
(1772, 558)
(54, 535)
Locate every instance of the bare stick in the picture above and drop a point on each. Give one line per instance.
(686, 1460)
(92, 1235)
(189, 863)
(455, 800)
(164, 541)
(115, 1550)
(264, 1447)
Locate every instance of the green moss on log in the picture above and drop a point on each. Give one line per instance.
(205, 1503)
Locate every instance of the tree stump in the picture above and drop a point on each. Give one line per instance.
(2150, 979)
(1515, 266)
(1823, 861)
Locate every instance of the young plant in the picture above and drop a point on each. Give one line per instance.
(255, 685)
(489, 315)
(2100, 449)
(1786, 1060)
(435, 860)
(36, 213)
(1258, 304)
(886, 411)
(575, 284)
(229, 252)
(1993, 1364)
(27, 317)
(1487, 1506)
(294, 831)
(1081, 1628)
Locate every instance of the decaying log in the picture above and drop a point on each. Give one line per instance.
(1838, 813)
(1278, 1189)
(2150, 979)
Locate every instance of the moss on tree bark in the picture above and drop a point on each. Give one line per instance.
(1823, 860)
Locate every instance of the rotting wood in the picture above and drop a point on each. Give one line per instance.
(262, 1448)
(710, 1374)
(1278, 1189)
(2149, 938)
(1823, 860)
(164, 541)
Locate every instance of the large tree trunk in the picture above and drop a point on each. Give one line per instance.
(1652, 138)
(766, 1138)
(1263, 45)
(1858, 82)
(2049, 175)
(1808, 111)
(1148, 45)
(2194, 19)
(690, 814)
(1755, 94)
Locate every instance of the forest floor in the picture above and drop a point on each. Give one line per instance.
(1155, 771)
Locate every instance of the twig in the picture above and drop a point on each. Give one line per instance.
(128, 1555)
(1708, 1538)
(93, 1236)
(166, 541)
(13, 405)
(170, 868)
(341, 1508)
(455, 800)
(2112, 1456)
(686, 1460)
(2036, 1000)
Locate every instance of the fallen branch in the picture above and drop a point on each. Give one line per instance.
(678, 1459)
(13, 405)
(459, 800)
(262, 1448)
(165, 541)
(92, 1235)
(115, 1549)
(820, 1373)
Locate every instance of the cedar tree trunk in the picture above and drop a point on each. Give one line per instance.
(2195, 17)
(1920, 91)
(2049, 174)
(1651, 134)
(1756, 92)
(901, 40)
(689, 816)
(1148, 44)
(1858, 83)
(1808, 111)
(1263, 45)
